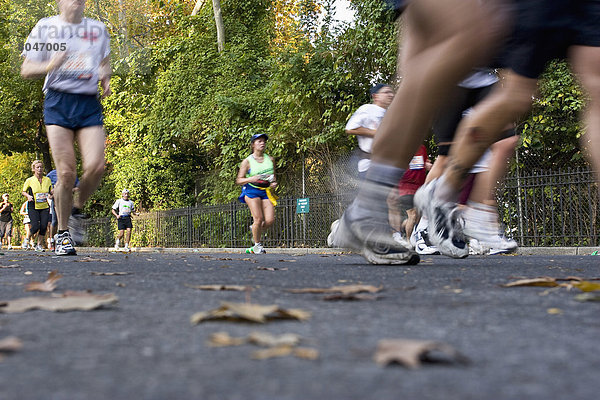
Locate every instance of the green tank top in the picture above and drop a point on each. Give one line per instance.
(263, 168)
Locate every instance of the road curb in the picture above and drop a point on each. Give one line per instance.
(523, 251)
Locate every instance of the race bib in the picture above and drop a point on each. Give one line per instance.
(417, 162)
(78, 66)
(41, 197)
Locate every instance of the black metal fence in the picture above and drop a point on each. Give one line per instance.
(539, 208)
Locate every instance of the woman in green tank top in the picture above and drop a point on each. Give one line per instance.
(257, 176)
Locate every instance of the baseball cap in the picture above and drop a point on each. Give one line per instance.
(258, 135)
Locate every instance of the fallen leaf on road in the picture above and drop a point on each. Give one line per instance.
(9, 345)
(224, 259)
(91, 259)
(28, 273)
(110, 273)
(67, 302)
(587, 297)
(586, 286)
(351, 297)
(10, 266)
(554, 311)
(282, 351)
(288, 260)
(222, 339)
(411, 353)
(238, 288)
(119, 284)
(249, 312)
(545, 282)
(346, 289)
(47, 286)
(271, 269)
(267, 340)
(250, 259)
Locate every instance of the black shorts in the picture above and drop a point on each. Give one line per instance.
(124, 223)
(445, 124)
(545, 30)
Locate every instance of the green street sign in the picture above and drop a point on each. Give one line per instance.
(302, 206)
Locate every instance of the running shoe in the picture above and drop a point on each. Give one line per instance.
(373, 240)
(126, 248)
(484, 228)
(423, 246)
(9, 247)
(39, 248)
(64, 245)
(25, 245)
(445, 222)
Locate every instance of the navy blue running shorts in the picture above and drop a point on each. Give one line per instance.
(72, 111)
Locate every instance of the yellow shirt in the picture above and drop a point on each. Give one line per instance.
(40, 192)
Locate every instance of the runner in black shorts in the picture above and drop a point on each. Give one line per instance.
(73, 53)
(123, 209)
(545, 30)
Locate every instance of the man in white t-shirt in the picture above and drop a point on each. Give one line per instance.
(73, 53)
(122, 210)
(365, 121)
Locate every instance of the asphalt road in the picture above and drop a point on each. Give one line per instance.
(523, 343)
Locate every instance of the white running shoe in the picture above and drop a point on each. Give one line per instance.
(484, 228)
(445, 221)
(39, 248)
(372, 240)
(25, 245)
(63, 245)
(422, 245)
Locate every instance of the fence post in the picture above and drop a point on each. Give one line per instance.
(232, 228)
(190, 227)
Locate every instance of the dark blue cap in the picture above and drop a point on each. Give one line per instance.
(377, 88)
(258, 135)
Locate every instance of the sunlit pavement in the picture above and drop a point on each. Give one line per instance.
(523, 342)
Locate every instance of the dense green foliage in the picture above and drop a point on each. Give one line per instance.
(182, 113)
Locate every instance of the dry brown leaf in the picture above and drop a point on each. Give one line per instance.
(9, 345)
(119, 284)
(110, 273)
(10, 266)
(587, 297)
(411, 353)
(351, 297)
(586, 286)
(248, 312)
(92, 259)
(222, 339)
(238, 288)
(345, 289)
(279, 351)
(288, 260)
(306, 353)
(271, 269)
(224, 258)
(267, 340)
(47, 286)
(544, 281)
(67, 302)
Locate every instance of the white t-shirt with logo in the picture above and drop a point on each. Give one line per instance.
(367, 116)
(86, 45)
(124, 207)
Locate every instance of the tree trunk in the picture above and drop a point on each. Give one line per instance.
(198, 6)
(42, 146)
(220, 27)
(124, 50)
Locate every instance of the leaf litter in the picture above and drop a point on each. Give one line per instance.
(249, 312)
(110, 273)
(238, 288)
(9, 344)
(412, 353)
(68, 301)
(47, 286)
(356, 292)
(275, 345)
